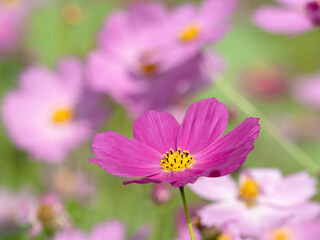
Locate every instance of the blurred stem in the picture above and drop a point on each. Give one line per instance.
(296, 153)
(185, 206)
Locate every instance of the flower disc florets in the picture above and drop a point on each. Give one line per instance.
(177, 161)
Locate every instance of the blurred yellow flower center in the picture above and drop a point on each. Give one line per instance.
(9, 2)
(281, 234)
(149, 69)
(177, 161)
(46, 215)
(248, 191)
(72, 13)
(189, 33)
(62, 115)
(224, 236)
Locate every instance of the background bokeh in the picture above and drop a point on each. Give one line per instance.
(49, 36)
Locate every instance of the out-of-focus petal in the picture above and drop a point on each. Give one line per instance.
(277, 20)
(113, 230)
(293, 190)
(215, 189)
(219, 214)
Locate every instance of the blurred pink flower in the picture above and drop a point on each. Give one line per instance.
(263, 200)
(111, 230)
(50, 114)
(72, 183)
(306, 90)
(161, 193)
(264, 81)
(164, 151)
(15, 208)
(292, 17)
(49, 213)
(148, 57)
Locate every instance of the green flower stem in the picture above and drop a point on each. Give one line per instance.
(185, 206)
(296, 153)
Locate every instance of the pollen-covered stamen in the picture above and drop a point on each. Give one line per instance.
(248, 191)
(189, 33)
(177, 161)
(313, 12)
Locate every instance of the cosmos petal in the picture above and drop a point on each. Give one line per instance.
(230, 151)
(158, 130)
(125, 157)
(203, 124)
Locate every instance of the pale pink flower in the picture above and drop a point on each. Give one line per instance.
(51, 113)
(263, 199)
(48, 213)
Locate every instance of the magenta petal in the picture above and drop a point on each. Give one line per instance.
(125, 157)
(142, 181)
(157, 129)
(203, 124)
(230, 151)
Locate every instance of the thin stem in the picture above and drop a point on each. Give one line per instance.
(185, 206)
(299, 155)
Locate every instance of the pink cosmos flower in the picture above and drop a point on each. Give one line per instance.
(262, 200)
(292, 17)
(191, 27)
(164, 151)
(306, 90)
(49, 213)
(111, 230)
(48, 108)
(148, 57)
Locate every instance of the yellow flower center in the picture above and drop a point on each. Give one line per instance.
(281, 234)
(248, 191)
(46, 215)
(62, 115)
(149, 69)
(177, 161)
(189, 33)
(224, 236)
(72, 13)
